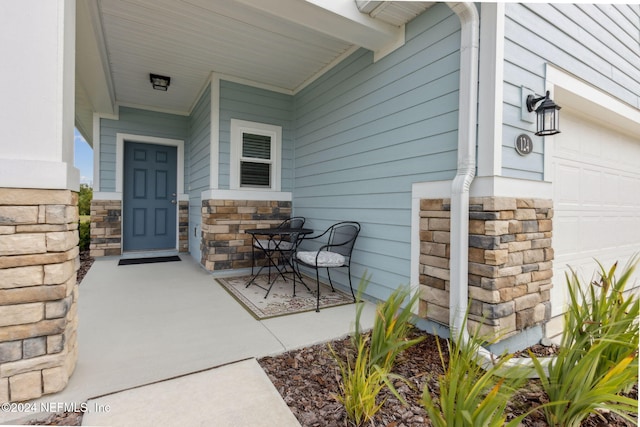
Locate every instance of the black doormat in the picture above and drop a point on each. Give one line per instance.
(152, 260)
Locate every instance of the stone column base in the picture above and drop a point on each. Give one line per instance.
(38, 291)
(183, 223)
(106, 228)
(225, 245)
(510, 263)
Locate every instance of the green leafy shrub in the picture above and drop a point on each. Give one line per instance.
(469, 395)
(365, 377)
(85, 196)
(598, 356)
(84, 229)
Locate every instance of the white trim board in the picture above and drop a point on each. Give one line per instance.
(486, 186)
(279, 196)
(178, 143)
(490, 94)
(214, 132)
(238, 128)
(571, 92)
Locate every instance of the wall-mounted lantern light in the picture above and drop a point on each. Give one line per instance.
(160, 82)
(548, 115)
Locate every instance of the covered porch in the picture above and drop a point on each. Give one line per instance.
(142, 324)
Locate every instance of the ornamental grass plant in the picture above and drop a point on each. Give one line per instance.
(368, 372)
(598, 355)
(468, 395)
(391, 328)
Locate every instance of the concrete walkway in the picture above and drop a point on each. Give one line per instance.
(144, 324)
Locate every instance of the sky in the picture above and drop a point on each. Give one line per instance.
(83, 159)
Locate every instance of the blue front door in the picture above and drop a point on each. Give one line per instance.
(149, 199)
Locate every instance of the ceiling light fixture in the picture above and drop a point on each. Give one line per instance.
(160, 82)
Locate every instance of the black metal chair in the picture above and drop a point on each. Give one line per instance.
(286, 247)
(335, 253)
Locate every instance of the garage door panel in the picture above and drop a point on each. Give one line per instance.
(594, 233)
(591, 187)
(570, 175)
(566, 235)
(611, 182)
(629, 191)
(596, 187)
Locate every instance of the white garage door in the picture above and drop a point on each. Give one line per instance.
(596, 187)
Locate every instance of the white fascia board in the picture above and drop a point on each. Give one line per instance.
(337, 18)
(92, 63)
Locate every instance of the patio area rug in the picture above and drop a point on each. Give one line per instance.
(281, 301)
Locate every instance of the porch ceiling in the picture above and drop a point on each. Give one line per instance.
(280, 44)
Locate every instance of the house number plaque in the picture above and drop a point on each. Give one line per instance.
(524, 145)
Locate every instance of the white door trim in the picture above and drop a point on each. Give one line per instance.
(143, 139)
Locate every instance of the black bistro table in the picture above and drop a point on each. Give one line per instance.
(276, 243)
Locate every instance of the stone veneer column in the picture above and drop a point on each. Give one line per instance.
(510, 263)
(183, 224)
(106, 228)
(38, 291)
(225, 245)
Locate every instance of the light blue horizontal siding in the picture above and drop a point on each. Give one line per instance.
(599, 44)
(365, 132)
(242, 102)
(137, 122)
(200, 167)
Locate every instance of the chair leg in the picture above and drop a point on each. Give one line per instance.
(330, 282)
(350, 285)
(317, 290)
(294, 278)
(253, 258)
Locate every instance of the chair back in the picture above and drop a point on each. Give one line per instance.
(342, 237)
(293, 222)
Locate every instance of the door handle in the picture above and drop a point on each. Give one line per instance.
(173, 201)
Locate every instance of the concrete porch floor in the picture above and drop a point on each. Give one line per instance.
(142, 324)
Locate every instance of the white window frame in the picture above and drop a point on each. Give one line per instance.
(238, 128)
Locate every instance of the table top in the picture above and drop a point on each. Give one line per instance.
(278, 231)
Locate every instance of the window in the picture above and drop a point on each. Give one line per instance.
(255, 156)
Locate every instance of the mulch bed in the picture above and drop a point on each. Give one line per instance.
(308, 380)
(85, 264)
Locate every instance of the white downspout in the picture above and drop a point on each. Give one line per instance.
(467, 124)
(467, 119)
